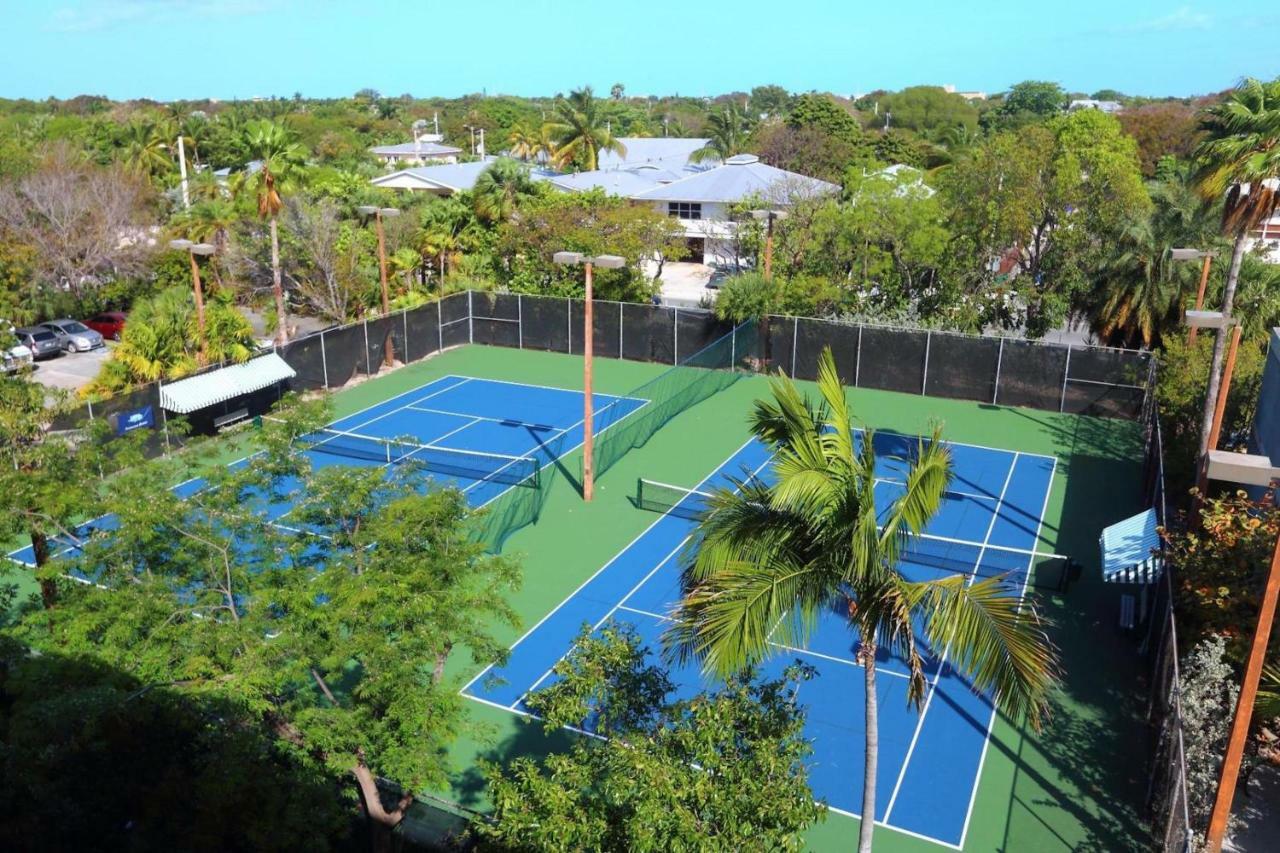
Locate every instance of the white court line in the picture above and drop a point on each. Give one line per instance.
(973, 795)
(834, 659)
(942, 663)
(596, 574)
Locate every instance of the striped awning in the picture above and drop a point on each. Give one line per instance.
(217, 386)
(1130, 550)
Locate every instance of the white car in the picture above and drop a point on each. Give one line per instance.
(15, 358)
(74, 336)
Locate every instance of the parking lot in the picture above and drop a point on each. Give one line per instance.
(71, 371)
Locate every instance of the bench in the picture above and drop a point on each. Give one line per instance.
(1128, 606)
(230, 418)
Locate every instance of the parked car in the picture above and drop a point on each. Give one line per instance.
(15, 358)
(109, 324)
(73, 335)
(42, 342)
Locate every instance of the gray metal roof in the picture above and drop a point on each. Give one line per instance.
(453, 177)
(199, 392)
(738, 179)
(416, 149)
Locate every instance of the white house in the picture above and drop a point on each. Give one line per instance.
(665, 151)
(1109, 107)
(444, 178)
(416, 153)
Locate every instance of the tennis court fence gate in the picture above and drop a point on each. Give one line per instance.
(1051, 377)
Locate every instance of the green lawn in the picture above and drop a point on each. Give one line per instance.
(1077, 785)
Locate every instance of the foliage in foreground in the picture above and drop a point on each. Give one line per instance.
(720, 771)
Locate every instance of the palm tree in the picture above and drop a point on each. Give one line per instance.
(580, 133)
(728, 130)
(768, 560)
(498, 188)
(523, 141)
(279, 158)
(1240, 161)
(1143, 289)
(145, 149)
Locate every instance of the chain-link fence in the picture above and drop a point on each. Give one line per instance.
(1167, 802)
(1002, 371)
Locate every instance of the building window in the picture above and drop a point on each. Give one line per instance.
(684, 209)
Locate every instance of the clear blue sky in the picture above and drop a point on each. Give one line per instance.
(168, 49)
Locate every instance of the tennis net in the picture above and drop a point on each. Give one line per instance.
(1043, 570)
(465, 464)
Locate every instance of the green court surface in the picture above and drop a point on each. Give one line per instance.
(1076, 785)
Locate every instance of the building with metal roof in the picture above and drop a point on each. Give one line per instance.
(445, 178)
(671, 151)
(415, 153)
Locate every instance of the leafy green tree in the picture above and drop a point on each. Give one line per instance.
(280, 160)
(145, 149)
(1240, 161)
(343, 669)
(616, 91)
(1030, 101)
(769, 559)
(580, 131)
(768, 101)
(930, 111)
(748, 296)
(1051, 198)
(807, 150)
(721, 771)
(499, 189)
(812, 110)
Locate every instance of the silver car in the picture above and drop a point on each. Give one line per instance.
(74, 336)
(14, 358)
(42, 342)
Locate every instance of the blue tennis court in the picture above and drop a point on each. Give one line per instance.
(929, 762)
(483, 436)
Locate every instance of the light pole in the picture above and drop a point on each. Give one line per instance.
(1192, 255)
(768, 216)
(389, 349)
(192, 249)
(588, 262)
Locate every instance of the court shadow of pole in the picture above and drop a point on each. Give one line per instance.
(551, 451)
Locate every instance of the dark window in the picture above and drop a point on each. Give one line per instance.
(684, 209)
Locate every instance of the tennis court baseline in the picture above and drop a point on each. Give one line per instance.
(929, 761)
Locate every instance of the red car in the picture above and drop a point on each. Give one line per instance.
(109, 324)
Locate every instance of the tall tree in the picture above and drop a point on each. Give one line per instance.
(1240, 161)
(769, 559)
(279, 160)
(581, 132)
(498, 189)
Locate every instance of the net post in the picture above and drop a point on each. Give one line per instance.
(440, 321)
(733, 348)
(995, 387)
(857, 360)
(568, 321)
(471, 324)
(1066, 372)
(619, 329)
(924, 381)
(675, 336)
(795, 336)
(404, 322)
(520, 320)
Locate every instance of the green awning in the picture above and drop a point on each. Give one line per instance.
(1131, 550)
(218, 386)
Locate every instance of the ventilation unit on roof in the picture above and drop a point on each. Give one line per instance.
(742, 160)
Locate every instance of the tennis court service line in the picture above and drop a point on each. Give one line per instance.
(942, 663)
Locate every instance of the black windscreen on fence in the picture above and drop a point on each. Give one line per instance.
(455, 313)
(344, 354)
(495, 319)
(423, 335)
(648, 333)
(307, 358)
(777, 334)
(606, 322)
(695, 329)
(1031, 375)
(962, 367)
(377, 331)
(892, 359)
(814, 336)
(546, 322)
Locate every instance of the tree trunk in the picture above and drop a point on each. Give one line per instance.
(381, 822)
(873, 748)
(48, 586)
(282, 319)
(442, 657)
(1219, 343)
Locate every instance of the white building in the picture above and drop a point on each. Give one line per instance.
(1109, 107)
(417, 153)
(443, 178)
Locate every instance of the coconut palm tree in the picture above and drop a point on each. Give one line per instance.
(580, 132)
(279, 160)
(1143, 289)
(728, 130)
(1240, 163)
(523, 141)
(145, 149)
(769, 559)
(498, 188)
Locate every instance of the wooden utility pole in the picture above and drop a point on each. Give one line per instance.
(1204, 280)
(1244, 708)
(388, 348)
(199, 292)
